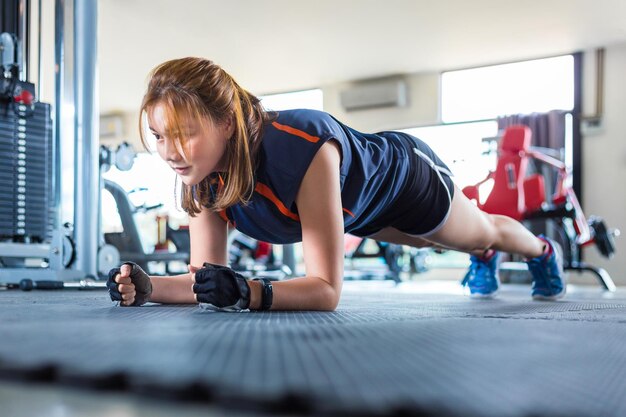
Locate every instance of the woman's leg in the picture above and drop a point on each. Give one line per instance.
(468, 229)
(471, 230)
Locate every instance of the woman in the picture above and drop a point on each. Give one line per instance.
(301, 175)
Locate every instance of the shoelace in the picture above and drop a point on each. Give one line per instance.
(475, 268)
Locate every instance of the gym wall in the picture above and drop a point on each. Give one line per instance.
(604, 159)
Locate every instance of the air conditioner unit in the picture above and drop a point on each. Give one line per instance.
(375, 94)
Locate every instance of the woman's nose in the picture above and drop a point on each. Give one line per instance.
(171, 153)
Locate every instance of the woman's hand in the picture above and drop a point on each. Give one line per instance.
(220, 286)
(129, 284)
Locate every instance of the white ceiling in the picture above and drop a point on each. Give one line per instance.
(281, 45)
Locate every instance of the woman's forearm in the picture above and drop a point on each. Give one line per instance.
(307, 293)
(172, 290)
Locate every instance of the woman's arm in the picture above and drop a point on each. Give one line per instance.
(207, 235)
(172, 290)
(320, 211)
(321, 216)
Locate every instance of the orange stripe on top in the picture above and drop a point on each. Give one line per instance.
(222, 214)
(220, 186)
(348, 211)
(265, 191)
(295, 132)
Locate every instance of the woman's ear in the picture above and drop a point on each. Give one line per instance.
(229, 126)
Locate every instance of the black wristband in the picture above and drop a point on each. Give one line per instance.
(267, 296)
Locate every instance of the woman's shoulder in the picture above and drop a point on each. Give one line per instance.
(301, 116)
(313, 122)
(291, 140)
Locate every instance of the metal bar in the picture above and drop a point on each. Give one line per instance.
(23, 34)
(8, 17)
(59, 52)
(86, 136)
(577, 160)
(39, 73)
(547, 159)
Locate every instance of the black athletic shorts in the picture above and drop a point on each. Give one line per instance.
(424, 204)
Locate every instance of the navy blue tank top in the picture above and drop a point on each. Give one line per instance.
(374, 169)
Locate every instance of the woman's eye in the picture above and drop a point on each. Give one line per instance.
(157, 137)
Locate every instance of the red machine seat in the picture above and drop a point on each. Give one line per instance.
(507, 195)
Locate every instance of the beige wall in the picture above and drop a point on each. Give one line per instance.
(128, 133)
(422, 108)
(604, 161)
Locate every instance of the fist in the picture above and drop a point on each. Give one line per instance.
(129, 285)
(220, 287)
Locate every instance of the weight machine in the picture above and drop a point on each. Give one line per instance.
(38, 140)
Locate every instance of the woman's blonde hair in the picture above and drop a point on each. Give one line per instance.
(198, 89)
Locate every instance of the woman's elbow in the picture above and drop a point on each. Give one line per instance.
(331, 296)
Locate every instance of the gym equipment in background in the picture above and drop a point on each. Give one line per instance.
(31, 239)
(27, 209)
(396, 259)
(246, 255)
(128, 242)
(122, 158)
(49, 181)
(523, 197)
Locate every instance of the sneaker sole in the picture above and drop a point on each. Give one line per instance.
(560, 295)
(479, 296)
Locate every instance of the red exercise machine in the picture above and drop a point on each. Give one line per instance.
(522, 197)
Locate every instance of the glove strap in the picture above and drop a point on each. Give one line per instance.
(267, 294)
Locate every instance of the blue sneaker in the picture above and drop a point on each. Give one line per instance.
(482, 276)
(547, 272)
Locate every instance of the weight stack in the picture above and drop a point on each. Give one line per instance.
(27, 211)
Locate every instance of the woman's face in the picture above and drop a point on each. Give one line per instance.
(204, 152)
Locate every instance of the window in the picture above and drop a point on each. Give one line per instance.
(463, 147)
(522, 87)
(154, 182)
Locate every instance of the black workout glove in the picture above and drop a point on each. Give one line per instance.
(141, 281)
(221, 287)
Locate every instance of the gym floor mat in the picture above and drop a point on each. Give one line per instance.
(385, 351)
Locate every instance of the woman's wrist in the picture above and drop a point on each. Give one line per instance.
(149, 299)
(256, 292)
